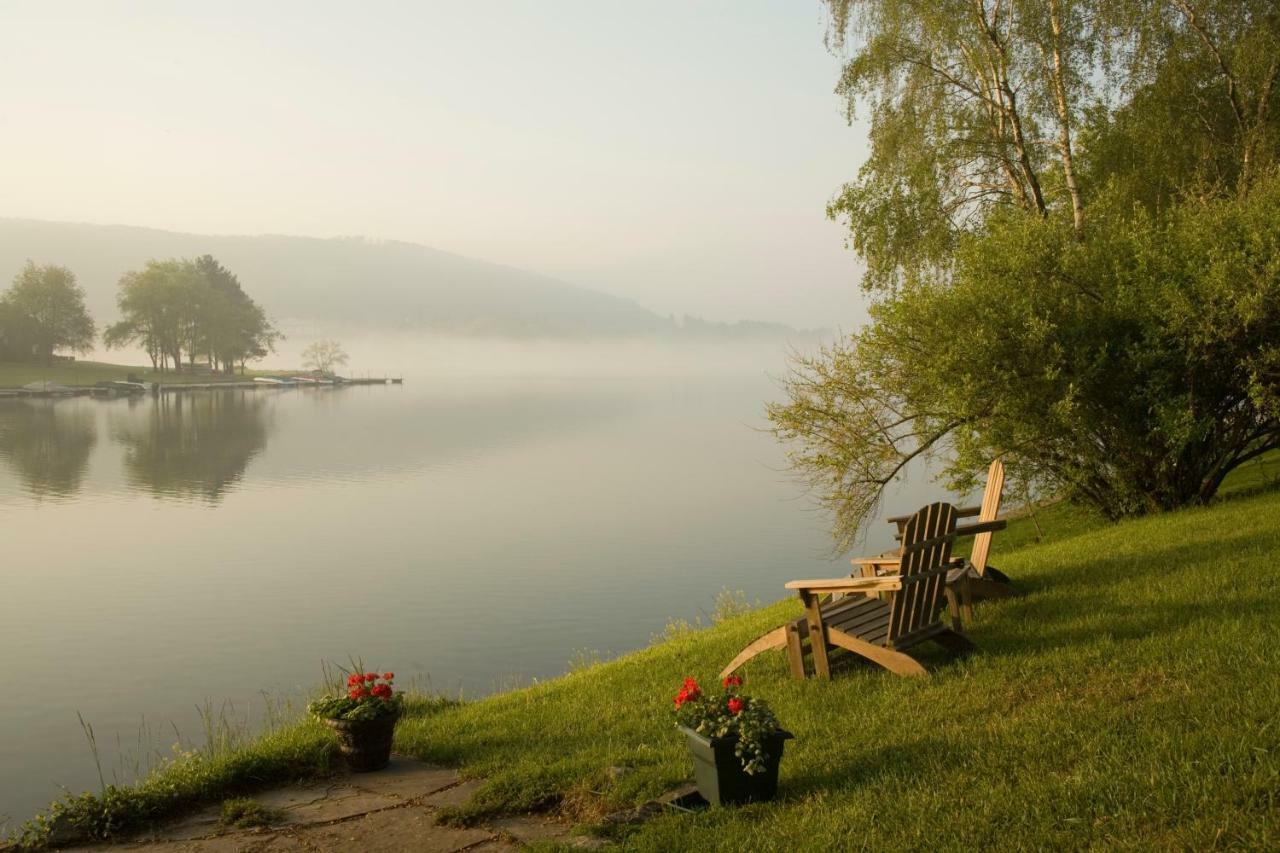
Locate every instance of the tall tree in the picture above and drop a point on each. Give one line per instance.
(44, 312)
(1069, 218)
(979, 105)
(152, 304)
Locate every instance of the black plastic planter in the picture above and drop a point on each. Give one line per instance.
(719, 774)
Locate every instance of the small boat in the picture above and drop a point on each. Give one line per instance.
(268, 380)
(306, 380)
(133, 387)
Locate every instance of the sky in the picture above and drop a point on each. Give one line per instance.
(678, 153)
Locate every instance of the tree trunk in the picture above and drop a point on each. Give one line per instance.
(1064, 123)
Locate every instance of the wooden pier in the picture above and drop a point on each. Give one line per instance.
(110, 392)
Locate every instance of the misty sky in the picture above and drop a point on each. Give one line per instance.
(680, 153)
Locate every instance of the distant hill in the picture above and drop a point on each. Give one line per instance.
(351, 281)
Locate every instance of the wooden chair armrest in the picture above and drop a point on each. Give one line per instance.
(982, 527)
(835, 585)
(876, 561)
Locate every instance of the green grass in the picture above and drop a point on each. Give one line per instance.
(17, 374)
(1131, 699)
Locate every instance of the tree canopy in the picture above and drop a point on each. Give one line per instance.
(1070, 217)
(196, 309)
(43, 312)
(1042, 106)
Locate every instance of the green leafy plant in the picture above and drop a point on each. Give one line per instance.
(369, 696)
(728, 714)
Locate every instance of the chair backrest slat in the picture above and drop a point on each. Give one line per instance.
(926, 549)
(990, 509)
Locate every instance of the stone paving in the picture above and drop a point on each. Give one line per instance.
(389, 810)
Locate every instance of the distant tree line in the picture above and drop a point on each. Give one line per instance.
(181, 312)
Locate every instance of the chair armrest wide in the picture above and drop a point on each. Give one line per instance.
(834, 585)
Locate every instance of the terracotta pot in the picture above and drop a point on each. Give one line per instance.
(365, 744)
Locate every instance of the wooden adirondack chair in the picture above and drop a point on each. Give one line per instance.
(968, 579)
(860, 621)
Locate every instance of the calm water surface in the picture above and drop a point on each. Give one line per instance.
(471, 534)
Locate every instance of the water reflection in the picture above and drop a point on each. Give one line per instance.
(191, 445)
(47, 444)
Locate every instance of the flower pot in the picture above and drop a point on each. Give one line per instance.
(719, 774)
(365, 744)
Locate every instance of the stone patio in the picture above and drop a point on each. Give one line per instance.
(390, 810)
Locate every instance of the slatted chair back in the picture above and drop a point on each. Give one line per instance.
(990, 509)
(926, 551)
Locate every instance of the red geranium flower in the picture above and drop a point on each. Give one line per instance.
(388, 675)
(735, 705)
(733, 681)
(371, 676)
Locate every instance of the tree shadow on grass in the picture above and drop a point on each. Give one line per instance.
(1134, 595)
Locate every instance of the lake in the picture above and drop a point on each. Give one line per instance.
(475, 529)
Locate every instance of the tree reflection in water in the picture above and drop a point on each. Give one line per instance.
(192, 444)
(47, 443)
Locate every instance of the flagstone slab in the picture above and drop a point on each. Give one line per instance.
(390, 831)
(455, 796)
(404, 778)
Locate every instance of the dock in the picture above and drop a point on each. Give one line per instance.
(110, 392)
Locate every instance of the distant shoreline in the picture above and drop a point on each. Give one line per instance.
(72, 373)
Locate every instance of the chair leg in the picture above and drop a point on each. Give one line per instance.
(953, 607)
(795, 651)
(817, 634)
(966, 599)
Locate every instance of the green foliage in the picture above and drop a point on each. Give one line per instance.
(1140, 367)
(1036, 106)
(43, 312)
(346, 708)
(194, 308)
(1068, 218)
(729, 714)
(369, 696)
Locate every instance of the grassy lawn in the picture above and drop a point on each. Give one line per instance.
(17, 374)
(1131, 699)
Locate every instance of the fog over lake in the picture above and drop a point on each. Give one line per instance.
(511, 507)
